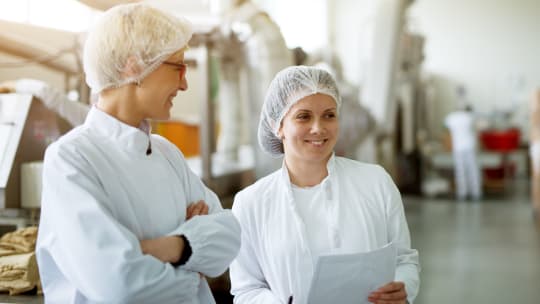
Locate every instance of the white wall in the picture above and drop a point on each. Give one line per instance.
(492, 47)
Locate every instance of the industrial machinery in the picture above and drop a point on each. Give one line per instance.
(26, 129)
(395, 96)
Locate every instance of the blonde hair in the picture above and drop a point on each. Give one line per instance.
(130, 41)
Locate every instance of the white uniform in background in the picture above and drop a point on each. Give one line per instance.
(357, 208)
(466, 169)
(97, 206)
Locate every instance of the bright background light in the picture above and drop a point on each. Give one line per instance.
(68, 15)
(303, 22)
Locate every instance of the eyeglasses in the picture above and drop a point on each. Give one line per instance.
(182, 68)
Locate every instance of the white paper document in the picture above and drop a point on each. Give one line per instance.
(350, 278)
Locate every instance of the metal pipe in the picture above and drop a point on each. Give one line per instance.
(10, 44)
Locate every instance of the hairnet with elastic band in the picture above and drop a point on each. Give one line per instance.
(288, 87)
(130, 41)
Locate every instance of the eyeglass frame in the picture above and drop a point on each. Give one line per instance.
(181, 66)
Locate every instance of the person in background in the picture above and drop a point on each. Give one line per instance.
(316, 203)
(123, 218)
(468, 180)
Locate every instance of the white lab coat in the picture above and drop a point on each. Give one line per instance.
(467, 176)
(462, 127)
(365, 212)
(101, 195)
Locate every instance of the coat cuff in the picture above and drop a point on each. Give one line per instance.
(214, 241)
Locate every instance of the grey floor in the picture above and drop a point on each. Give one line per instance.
(477, 252)
(485, 252)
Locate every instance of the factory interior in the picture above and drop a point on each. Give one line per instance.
(402, 68)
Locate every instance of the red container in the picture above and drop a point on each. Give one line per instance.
(500, 140)
(501, 172)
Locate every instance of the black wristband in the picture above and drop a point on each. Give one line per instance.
(186, 253)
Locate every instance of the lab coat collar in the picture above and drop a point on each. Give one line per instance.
(135, 140)
(326, 182)
(329, 194)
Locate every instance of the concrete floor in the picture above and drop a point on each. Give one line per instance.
(485, 252)
(476, 252)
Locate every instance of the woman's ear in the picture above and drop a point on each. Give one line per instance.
(280, 133)
(132, 67)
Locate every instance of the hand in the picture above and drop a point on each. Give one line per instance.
(199, 208)
(167, 249)
(7, 87)
(391, 293)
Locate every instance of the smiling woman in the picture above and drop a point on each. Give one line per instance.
(324, 204)
(309, 132)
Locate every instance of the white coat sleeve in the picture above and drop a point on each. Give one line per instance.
(214, 241)
(200, 191)
(196, 189)
(408, 267)
(214, 238)
(248, 284)
(97, 254)
(74, 112)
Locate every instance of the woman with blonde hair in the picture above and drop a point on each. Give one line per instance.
(124, 219)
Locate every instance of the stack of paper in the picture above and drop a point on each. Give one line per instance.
(350, 278)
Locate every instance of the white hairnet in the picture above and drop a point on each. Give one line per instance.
(286, 89)
(130, 41)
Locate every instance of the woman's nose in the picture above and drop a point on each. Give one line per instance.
(317, 126)
(183, 84)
